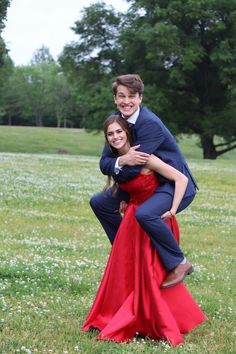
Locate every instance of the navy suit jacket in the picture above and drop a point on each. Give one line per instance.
(154, 138)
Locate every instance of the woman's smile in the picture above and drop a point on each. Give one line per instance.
(116, 136)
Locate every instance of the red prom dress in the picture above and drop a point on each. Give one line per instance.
(129, 299)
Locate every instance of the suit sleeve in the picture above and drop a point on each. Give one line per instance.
(107, 166)
(149, 136)
(107, 161)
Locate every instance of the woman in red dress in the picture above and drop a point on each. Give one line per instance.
(130, 299)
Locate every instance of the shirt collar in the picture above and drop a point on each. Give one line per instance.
(132, 119)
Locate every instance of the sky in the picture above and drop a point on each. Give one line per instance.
(30, 24)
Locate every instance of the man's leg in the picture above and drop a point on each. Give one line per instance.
(106, 207)
(149, 217)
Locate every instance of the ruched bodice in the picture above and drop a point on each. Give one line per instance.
(141, 187)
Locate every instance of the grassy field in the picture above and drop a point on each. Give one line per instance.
(50, 140)
(53, 251)
(75, 142)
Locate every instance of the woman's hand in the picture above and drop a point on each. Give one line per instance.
(123, 207)
(167, 215)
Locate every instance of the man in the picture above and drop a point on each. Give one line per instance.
(150, 136)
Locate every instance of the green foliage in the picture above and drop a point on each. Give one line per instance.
(39, 94)
(188, 54)
(4, 4)
(91, 61)
(183, 50)
(54, 251)
(98, 30)
(42, 56)
(6, 70)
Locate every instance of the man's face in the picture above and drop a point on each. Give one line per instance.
(127, 102)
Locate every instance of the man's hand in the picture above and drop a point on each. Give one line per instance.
(133, 157)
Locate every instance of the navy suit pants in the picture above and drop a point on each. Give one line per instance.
(106, 208)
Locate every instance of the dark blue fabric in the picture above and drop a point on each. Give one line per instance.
(106, 208)
(154, 138)
(149, 217)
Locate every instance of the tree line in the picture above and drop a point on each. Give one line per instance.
(184, 50)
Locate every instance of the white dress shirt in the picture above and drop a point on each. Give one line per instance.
(132, 119)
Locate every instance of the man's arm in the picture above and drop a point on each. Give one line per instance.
(129, 165)
(149, 137)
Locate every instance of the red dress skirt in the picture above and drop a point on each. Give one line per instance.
(129, 299)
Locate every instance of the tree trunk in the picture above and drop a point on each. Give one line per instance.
(58, 122)
(59, 118)
(9, 120)
(208, 147)
(39, 120)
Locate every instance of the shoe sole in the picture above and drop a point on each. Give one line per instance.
(190, 271)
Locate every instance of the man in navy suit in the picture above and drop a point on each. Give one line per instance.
(150, 136)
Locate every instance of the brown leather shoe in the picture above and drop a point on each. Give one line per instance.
(177, 275)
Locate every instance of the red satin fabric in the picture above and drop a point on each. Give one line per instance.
(129, 299)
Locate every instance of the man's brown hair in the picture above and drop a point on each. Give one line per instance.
(132, 81)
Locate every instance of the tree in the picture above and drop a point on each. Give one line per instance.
(42, 56)
(185, 51)
(38, 84)
(9, 98)
(64, 100)
(37, 94)
(27, 95)
(4, 4)
(21, 102)
(91, 62)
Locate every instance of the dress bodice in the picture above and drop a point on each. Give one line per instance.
(140, 187)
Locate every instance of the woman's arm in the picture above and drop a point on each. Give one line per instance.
(169, 172)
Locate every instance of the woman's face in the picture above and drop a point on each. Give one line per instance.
(117, 137)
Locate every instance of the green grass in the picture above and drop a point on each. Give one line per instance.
(75, 142)
(53, 253)
(50, 140)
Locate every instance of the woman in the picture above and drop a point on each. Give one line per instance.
(130, 299)
(118, 136)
